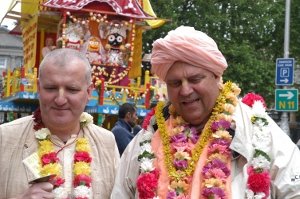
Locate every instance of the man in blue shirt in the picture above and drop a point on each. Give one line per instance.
(123, 129)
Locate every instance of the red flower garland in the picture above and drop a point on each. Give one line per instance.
(49, 158)
(82, 156)
(259, 182)
(37, 118)
(82, 180)
(146, 121)
(258, 178)
(81, 177)
(250, 98)
(147, 184)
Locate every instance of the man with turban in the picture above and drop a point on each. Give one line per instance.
(205, 142)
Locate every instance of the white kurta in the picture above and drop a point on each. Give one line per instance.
(17, 141)
(285, 163)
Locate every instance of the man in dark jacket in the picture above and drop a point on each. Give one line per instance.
(123, 129)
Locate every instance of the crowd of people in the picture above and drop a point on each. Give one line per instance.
(204, 142)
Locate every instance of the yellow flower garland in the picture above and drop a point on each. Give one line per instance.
(81, 167)
(206, 134)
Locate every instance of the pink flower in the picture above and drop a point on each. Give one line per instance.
(220, 125)
(214, 192)
(38, 122)
(49, 158)
(180, 164)
(250, 98)
(82, 156)
(217, 148)
(215, 173)
(259, 182)
(82, 180)
(147, 184)
(146, 121)
(56, 181)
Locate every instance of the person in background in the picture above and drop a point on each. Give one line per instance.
(48, 47)
(136, 129)
(123, 129)
(58, 152)
(205, 142)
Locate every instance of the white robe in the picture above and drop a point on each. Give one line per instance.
(17, 141)
(285, 163)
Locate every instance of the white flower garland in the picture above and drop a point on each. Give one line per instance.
(146, 154)
(261, 141)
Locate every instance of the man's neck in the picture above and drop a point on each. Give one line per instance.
(65, 133)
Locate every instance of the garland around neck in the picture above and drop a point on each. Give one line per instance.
(258, 181)
(181, 162)
(50, 163)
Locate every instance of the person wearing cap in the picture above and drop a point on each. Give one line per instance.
(205, 142)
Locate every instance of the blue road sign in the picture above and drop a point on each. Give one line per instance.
(284, 71)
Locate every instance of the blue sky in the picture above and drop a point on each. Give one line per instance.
(5, 6)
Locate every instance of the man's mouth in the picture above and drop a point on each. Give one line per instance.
(190, 101)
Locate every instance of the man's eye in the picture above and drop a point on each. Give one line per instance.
(174, 84)
(195, 80)
(50, 88)
(73, 90)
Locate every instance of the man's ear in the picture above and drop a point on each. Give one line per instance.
(128, 115)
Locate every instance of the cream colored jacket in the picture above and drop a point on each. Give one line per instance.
(285, 165)
(17, 141)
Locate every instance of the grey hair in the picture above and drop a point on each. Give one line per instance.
(62, 56)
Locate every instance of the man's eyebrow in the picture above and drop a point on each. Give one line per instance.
(197, 75)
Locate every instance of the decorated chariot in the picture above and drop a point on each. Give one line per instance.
(108, 32)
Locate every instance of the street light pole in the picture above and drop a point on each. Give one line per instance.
(284, 124)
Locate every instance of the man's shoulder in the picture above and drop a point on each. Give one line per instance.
(118, 128)
(18, 123)
(99, 131)
(19, 129)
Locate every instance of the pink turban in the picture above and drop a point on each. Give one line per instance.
(185, 44)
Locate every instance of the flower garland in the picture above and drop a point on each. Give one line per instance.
(259, 180)
(147, 119)
(180, 159)
(49, 161)
(147, 181)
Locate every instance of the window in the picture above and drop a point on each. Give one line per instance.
(3, 62)
(19, 61)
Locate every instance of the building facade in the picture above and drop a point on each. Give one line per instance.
(11, 50)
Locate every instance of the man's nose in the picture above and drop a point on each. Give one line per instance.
(186, 88)
(61, 98)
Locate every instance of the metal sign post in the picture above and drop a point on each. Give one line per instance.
(284, 123)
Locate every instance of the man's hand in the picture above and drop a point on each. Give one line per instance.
(38, 191)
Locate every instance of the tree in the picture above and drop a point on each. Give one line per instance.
(249, 33)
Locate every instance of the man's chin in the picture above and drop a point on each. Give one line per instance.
(193, 117)
(61, 117)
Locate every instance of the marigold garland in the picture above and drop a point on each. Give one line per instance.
(215, 133)
(205, 135)
(181, 165)
(49, 161)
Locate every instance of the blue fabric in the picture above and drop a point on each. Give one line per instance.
(122, 132)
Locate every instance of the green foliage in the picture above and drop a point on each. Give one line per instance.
(250, 34)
